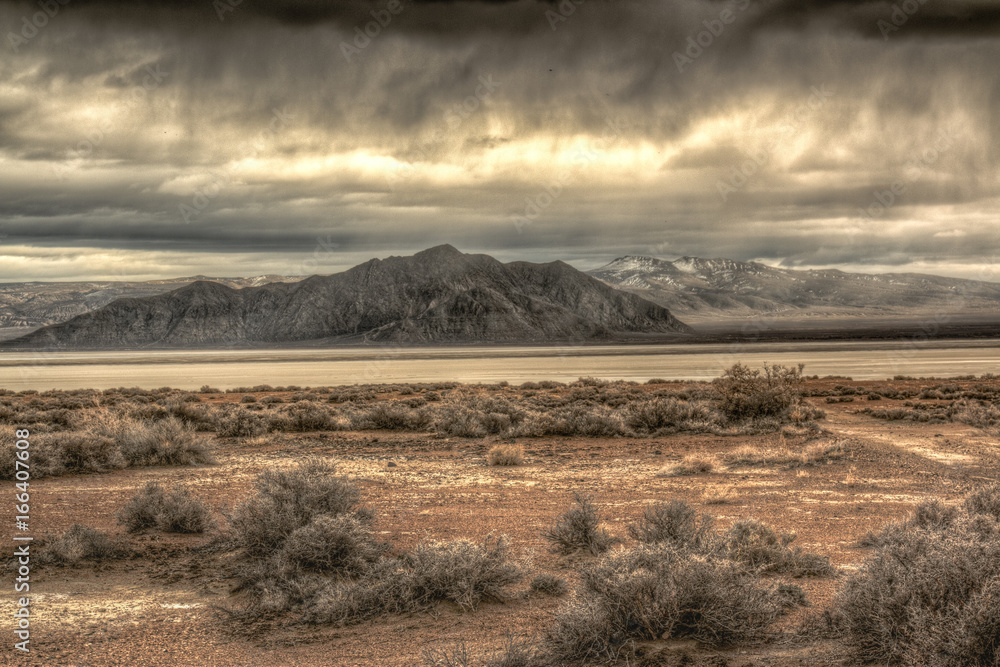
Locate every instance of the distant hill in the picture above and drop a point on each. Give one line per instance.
(37, 304)
(703, 290)
(439, 295)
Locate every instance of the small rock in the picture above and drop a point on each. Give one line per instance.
(390, 464)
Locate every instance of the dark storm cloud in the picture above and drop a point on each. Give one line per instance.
(392, 151)
(882, 18)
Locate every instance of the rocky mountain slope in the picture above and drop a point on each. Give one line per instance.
(38, 304)
(437, 296)
(705, 289)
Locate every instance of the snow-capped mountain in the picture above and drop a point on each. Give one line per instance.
(698, 289)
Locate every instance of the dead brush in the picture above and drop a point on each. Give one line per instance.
(929, 594)
(692, 464)
(459, 571)
(719, 495)
(505, 455)
(176, 511)
(82, 543)
(657, 592)
(579, 530)
(673, 522)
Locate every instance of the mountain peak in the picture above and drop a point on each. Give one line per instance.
(445, 250)
(439, 295)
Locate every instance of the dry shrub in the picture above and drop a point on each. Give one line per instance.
(46, 457)
(719, 495)
(760, 547)
(984, 500)
(979, 414)
(85, 452)
(654, 592)
(675, 523)
(669, 415)
(342, 543)
(928, 596)
(176, 511)
(307, 416)
(459, 571)
(81, 543)
(548, 584)
(506, 455)
(390, 417)
(109, 443)
(286, 500)
(241, 423)
(579, 530)
(143, 443)
(692, 464)
(300, 526)
(514, 652)
(746, 394)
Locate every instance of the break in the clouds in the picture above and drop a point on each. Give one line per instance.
(300, 136)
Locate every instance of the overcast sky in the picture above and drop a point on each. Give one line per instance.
(248, 137)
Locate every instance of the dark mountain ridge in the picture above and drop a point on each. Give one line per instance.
(439, 295)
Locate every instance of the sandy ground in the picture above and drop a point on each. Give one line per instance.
(159, 607)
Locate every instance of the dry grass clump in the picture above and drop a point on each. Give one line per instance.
(548, 584)
(505, 455)
(458, 571)
(579, 530)
(781, 454)
(719, 495)
(929, 595)
(515, 652)
(692, 464)
(654, 592)
(176, 511)
(81, 543)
